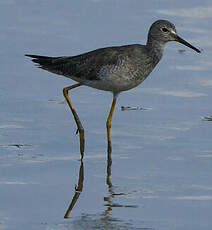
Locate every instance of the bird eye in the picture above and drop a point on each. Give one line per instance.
(164, 29)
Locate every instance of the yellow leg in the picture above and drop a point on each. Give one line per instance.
(76, 118)
(108, 124)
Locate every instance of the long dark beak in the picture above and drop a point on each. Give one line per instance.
(180, 40)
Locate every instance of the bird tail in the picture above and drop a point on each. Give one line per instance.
(41, 61)
(52, 64)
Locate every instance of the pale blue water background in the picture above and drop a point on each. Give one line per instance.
(162, 157)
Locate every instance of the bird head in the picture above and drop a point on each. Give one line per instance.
(164, 31)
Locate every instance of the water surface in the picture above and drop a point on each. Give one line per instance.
(160, 177)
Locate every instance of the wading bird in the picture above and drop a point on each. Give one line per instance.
(113, 69)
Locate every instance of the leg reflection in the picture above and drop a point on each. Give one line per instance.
(112, 194)
(109, 199)
(78, 190)
(110, 186)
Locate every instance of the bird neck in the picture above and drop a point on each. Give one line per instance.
(155, 48)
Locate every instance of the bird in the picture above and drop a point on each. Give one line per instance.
(114, 69)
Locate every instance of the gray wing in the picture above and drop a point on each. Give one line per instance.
(84, 66)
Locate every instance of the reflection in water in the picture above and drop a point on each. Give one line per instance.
(78, 190)
(108, 199)
(95, 221)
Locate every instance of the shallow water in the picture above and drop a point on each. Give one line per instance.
(160, 177)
